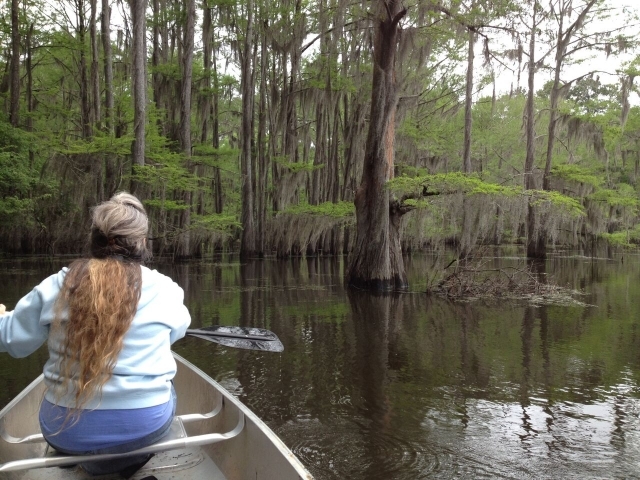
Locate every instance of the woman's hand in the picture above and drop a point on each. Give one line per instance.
(2, 309)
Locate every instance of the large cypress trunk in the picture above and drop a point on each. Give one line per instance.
(376, 260)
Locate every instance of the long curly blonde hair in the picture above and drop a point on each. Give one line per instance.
(99, 297)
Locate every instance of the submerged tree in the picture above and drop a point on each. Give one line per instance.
(376, 261)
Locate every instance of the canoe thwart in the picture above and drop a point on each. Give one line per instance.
(177, 438)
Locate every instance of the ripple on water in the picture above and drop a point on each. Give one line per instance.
(356, 449)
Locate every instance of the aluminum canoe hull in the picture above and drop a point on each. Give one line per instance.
(255, 453)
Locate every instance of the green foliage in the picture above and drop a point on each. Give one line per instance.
(618, 239)
(447, 183)
(624, 196)
(166, 205)
(50, 165)
(577, 173)
(168, 70)
(20, 184)
(627, 238)
(327, 209)
(164, 168)
(296, 167)
(13, 209)
(99, 144)
(434, 129)
(15, 177)
(218, 223)
(215, 157)
(417, 203)
(557, 202)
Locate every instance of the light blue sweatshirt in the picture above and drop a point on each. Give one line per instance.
(145, 367)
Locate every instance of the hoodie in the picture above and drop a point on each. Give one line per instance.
(145, 366)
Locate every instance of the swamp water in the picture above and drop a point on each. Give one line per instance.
(411, 387)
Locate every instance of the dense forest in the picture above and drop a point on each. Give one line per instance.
(300, 128)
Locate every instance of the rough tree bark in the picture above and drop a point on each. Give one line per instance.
(248, 244)
(85, 105)
(262, 173)
(184, 248)
(205, 98)
(156, 76)
(467, 217)
(95, 78)
(536, 245)
(468, 105)
(105, 28)
(217, 177)
(96, 161)
(376, 260)
(29, 92)
(138, 9)
(14, 106)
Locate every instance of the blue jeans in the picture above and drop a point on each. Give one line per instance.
(116, 465)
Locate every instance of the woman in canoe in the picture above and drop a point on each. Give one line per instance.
(109, 323)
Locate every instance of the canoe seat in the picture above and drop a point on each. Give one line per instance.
(176, 438)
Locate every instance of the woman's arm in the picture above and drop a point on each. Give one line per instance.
(179, 314)
(26, 328)
(21, 332)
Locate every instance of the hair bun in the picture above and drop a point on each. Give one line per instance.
(120, 227)
(128, 200)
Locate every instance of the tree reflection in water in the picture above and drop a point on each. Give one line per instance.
(407, 386)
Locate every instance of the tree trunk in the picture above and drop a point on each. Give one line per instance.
(156, 80)
(536, 245)
(248, 245)
(14, 106)
(217, 178)
(85, 105)
(138, 9)
(468, 119)
(376, 261)
(95, 78)
(185, 248)
(263, 168)
(29, 99)
(110, 170)
(465, 244)
(207, 45)
(316, 195)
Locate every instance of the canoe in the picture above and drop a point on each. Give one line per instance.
(213, 436)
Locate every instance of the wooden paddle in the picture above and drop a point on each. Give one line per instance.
(248, 338)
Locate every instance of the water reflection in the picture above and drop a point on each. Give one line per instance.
(407, 386)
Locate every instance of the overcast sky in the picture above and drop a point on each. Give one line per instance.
(592, 61)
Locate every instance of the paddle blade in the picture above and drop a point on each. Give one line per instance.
(247, 338)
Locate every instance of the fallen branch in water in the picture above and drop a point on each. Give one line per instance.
(473, 281)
